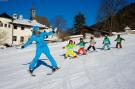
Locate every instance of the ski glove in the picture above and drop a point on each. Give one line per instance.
(55, 30)
(22, 47)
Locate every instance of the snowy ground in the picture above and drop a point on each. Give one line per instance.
(109, 69)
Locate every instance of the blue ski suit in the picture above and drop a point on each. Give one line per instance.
(41, 47)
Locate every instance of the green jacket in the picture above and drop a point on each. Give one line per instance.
(70, 46)
(106, 41)
(119, 39)
(81, 44)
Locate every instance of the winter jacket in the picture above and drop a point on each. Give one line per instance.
(81, 44)
(70, 46)
(38, 39)
(92, 42)
(106, 40)
(119, 39)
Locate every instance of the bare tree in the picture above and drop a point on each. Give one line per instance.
(60, 23)
(107, 10)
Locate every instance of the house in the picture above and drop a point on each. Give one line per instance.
(5, 29)
(22, 28)
(16, 30)
(128, 30)
(92, 30)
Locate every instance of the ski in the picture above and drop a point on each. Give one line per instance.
(50, 73)
(31, 74)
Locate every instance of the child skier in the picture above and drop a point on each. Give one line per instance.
(119, 41)
(70, 51)
(82, 47)
(106, 42)
(92, 43)
(41, 47)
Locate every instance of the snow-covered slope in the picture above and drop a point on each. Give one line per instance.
(109, 69)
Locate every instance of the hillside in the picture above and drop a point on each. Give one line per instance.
(125, 17)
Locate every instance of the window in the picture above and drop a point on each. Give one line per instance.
(21, 39)
(15, 27)
(22, 28)
(5, 25)
(9, 25)
(14, 38)
(1, 24)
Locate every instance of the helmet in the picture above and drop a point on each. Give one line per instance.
(81, 38)
(92, 37)
(35, 28)
(70, 41)
(118, 35)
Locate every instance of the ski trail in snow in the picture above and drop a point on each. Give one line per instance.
(88, 73)
(66, 78)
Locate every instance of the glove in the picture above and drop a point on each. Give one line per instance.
(55, 29)
(63, 47)
(22, 47)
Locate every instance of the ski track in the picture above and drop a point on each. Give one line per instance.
(104, 69)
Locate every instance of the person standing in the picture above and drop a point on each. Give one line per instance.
(81, 47)
(119, 40)
(106, 42)
(92, 44)
(41, 47)
(69, 48)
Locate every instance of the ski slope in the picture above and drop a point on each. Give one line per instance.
(104, 69)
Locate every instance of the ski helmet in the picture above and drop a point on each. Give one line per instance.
(70, 41)
(81, 39)
(92, 37)
(35, 28)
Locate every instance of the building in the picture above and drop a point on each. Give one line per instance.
(22, 28)
(17, 30)
(41, 19)
(6, 29)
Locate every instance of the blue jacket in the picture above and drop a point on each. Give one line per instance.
(38, 39)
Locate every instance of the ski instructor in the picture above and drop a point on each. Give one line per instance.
(41, 47)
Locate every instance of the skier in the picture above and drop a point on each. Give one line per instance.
(41, 47)
(82, 47)
(106, 42)
(92, 43)
(119, 41)
(70, 51)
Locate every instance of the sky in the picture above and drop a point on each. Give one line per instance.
(51, 8)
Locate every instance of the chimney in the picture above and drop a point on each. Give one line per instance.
(20, 17)
(14, 16)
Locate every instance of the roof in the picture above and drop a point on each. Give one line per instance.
(42, 20)
(28, 23)
(127, 28)
(94, 29)
(5, 15)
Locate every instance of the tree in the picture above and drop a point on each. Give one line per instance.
(59, 22)
(107, 10)
(61, 25)
(79, 22)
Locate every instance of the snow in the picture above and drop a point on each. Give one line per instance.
(104, 69)
(28, 22)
